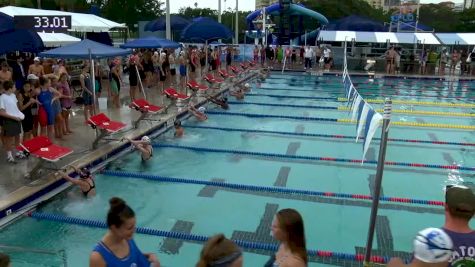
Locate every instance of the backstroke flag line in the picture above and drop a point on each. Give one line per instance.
(366, 118)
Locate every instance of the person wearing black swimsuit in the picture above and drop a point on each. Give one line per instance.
(85, 181)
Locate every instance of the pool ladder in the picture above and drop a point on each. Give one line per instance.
(60, 253)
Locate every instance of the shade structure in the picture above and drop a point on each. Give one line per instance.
(217, 43)
(379, 37)
(57, 39)
(20, 40)
(177, 23)
(206, 30)
(456, 38)
(80, 22)
(85, 49)
(151, 42)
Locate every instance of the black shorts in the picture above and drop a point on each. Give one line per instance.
(27, 123)
(326, 60)
(192, 68)
(173, 72)
(11, 127)
(163, 77)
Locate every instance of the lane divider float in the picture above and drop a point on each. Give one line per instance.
(313, 158)
(198, 238)
(271, 189)
(398, 123)
(343, 108)
(332, 136)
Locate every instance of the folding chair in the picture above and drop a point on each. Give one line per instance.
(47, 153)
(105, 126)
(145, 108)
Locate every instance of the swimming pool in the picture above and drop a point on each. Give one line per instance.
(218, 150)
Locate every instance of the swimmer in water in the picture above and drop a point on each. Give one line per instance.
(198, 113)
(144, 146)
(179, 130)
(239, 94)
(85, 181)
(222, 102)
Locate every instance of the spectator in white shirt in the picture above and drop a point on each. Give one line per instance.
(308, 57)
(12, 117)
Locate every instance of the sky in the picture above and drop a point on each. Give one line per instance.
(243, 4)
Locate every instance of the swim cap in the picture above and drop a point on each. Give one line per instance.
(202, 109)
(177, 123)
(84, 173)
(247, 85)
(432, 245)
(146, 139)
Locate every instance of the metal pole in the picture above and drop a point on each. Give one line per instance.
(219, 11)
(167, 17)
(379, 178)
(93, 82)
(264, 27)
(236, 33)
(417, 15)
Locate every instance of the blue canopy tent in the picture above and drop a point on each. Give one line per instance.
(6, 23)
(151, 42)
(176, 23)
(86, 49)
(356, 23)
(205, 31)
(20, 40)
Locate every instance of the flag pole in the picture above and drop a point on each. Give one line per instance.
(379, 178)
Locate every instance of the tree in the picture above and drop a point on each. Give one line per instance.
(22, 3)
(189, 12)
(466, 21)
(130, 11)
(439, 17)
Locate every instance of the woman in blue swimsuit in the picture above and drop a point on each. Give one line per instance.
(47, 113)
(117, 248)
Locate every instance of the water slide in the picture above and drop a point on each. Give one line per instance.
(295, 10)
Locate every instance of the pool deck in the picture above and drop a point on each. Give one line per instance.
(15, 187)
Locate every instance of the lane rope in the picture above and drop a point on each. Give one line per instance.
(271, 189)
(198, 238)
(371, 94)
(378, 101)
(312, 158)
(404, 102)
(349, 121)
(332, 136)
(343, 108)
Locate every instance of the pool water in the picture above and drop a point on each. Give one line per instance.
(331, 224)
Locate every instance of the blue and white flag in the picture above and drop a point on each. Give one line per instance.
(374, 120)
(355, 106)
(362, 119)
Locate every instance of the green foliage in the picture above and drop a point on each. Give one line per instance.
(338, 9)
(22, 3)
(131, 11)
(440, 17)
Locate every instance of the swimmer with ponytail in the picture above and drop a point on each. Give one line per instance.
(117, 248)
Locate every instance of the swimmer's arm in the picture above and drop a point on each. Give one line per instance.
(96, 260)
(70, 179)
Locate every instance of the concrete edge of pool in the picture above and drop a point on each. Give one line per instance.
(26, 198)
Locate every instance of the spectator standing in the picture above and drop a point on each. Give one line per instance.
(459, 210)
(12, 117)
(308, 57)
